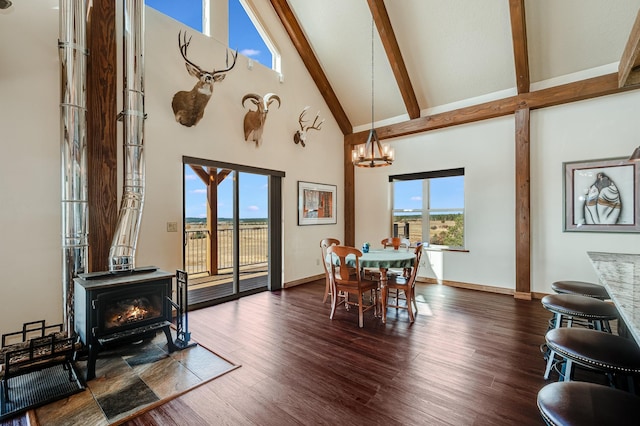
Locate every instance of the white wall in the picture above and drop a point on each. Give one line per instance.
(486, 151)
(30, 251)
(605, 127)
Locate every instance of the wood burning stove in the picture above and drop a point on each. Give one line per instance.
(121, 307)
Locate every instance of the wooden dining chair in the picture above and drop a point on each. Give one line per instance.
(325, 243)
(343, 280)
(401, 242)
(407, 284)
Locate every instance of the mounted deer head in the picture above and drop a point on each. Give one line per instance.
(188, 107)
(254, 120)
(301, 135)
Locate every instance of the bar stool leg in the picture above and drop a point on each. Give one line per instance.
(552, 353)
(567, 371)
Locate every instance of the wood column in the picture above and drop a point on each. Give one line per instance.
(101, 131)
(349, 197)
(523, 204)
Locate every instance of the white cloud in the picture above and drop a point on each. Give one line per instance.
(250, 52)
(190, 176)
(416, 198)
(199, 191)
(253, 208)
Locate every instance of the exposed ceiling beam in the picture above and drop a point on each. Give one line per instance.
(629, 68)
(303, 47)
(520, 51)
(390, 43)
(571, 92)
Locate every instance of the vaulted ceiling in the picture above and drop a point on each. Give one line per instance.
(431, 56)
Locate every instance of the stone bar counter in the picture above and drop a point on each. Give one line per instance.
(620, 274)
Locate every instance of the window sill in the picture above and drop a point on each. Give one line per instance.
(459, 250)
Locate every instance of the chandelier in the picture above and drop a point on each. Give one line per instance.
(372, 154)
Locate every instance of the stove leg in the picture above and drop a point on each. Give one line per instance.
(91, 363)
(167, 332)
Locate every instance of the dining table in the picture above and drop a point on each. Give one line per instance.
(384, 259)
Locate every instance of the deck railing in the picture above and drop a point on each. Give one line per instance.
(254, 247)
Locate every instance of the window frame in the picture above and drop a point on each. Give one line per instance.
(426, 210)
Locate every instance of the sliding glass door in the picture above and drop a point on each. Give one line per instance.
(229, 248)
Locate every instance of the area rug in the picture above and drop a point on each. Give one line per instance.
(133, 379)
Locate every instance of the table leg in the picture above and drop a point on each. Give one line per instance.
(383, 294)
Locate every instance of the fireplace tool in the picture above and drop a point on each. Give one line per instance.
(182, 312)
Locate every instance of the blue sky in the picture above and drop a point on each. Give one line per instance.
(445, 193)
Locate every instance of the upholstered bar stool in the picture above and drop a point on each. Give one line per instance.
(596, 350)
(595, 312)
(587, 404)
(581, 288)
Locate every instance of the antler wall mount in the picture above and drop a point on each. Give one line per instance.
(300, 136)
(188, 106)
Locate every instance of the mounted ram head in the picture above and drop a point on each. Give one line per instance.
(254, 119)
(188, 107)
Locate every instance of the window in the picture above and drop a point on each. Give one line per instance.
(245, 32)
(189, 12)
(246, 36)
(429, 207)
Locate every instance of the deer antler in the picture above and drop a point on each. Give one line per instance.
(184, 45)
(315, 125)
(315, 120)
(235, 56)
(300, 120)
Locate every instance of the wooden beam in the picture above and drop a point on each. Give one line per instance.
(523, 203)
(102, 144)
(520, 51)
(438, 121)
(390, 43)
(201, 172)
(629, 67)
(222, 175)
(572, 92)
(305, 51)
(349, 199)
(566, 93)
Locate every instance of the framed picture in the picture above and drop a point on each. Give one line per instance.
(601, 196)
(316, 204)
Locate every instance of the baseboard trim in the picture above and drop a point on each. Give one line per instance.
(468, 286)
(303, 281)
(522, 295)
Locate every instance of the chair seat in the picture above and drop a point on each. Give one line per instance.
(586, 404)
(580, 306)
(596, 349)
(581, 288)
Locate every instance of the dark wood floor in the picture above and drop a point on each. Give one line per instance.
(471, 358)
